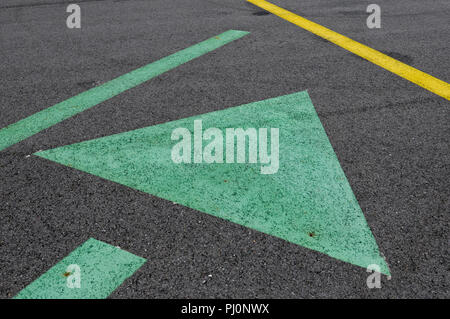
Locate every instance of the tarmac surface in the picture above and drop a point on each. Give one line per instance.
(391, 138)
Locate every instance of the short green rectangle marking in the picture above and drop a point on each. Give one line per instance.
(102, 267)
(44, 119)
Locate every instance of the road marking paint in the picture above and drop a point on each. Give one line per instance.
(403, 70)
(308, 201)
(102, 267)
(39, 121)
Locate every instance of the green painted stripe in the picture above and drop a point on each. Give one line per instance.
(37, 122)
(103, 268)
(308, 201)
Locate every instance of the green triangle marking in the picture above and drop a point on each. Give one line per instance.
(308, 202)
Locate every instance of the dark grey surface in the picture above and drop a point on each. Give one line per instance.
(391, 137)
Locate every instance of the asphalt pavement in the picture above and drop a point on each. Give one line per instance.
(391, 138)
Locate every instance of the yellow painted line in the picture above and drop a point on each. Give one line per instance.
(418, 77)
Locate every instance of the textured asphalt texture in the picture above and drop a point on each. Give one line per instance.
(391, 137)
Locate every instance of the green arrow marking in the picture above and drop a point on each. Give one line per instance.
(102, 268)
(308, 201)
(37, 122)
